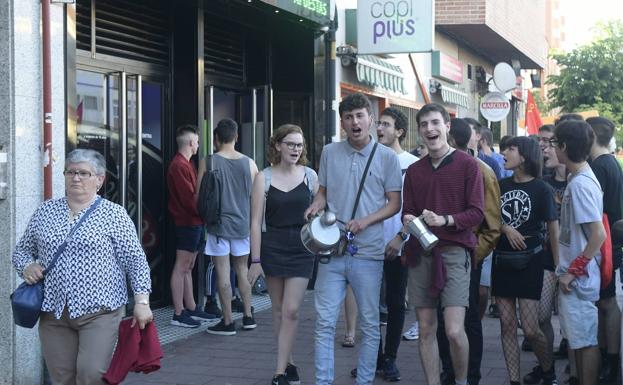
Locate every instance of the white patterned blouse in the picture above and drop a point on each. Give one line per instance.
(91, 274)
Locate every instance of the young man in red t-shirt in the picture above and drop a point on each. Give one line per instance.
(182, 185)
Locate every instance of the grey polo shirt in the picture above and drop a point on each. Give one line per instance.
(341, 168)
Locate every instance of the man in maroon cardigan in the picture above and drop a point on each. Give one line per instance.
(445, 188)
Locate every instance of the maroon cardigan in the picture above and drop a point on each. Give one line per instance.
(455, 188)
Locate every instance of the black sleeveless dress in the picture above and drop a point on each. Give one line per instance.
(282, 252)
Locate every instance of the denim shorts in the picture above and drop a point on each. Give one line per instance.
(188, 238)
(485, 276)
(578, 320)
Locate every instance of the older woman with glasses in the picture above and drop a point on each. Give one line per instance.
(86, 291)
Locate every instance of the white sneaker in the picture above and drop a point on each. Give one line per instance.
(413, 333)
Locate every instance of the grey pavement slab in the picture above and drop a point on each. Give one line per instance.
(249, 357)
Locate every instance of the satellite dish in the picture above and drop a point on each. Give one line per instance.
(504, 77)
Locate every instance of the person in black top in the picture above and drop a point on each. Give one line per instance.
(557, 179)
(526, 204)
(609, 175)
(278, 252)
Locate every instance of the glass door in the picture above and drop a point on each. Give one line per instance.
(251, 109)
(121, 116)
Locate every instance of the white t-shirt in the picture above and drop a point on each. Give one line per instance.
(392, 225)
(582, 203)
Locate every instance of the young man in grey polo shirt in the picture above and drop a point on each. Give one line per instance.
(341, 168)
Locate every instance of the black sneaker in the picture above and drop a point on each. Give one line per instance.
(248, 322)
(534, 377)
(199, 315)
(549, 377)
(292, 375)
(383, 319)
(212, 308)
(390, 371)
(280, 379)
(184, 320)
(223, 330)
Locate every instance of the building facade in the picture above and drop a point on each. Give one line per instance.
(125, 74)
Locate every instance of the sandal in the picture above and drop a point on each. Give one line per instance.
(348, 342)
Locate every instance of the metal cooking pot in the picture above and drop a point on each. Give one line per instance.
(321, 235)
(417, 227)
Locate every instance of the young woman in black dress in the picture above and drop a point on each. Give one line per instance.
(526, 204)
(278, 252)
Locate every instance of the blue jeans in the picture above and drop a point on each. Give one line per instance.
(364, 276)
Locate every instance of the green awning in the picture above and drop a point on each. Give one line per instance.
(453, 95)
(376, 72)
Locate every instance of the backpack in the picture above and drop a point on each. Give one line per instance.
(606, 255)
(605, 267)
(267, 176)
(210, 192)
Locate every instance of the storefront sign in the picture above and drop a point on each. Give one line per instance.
(314, 10)
(446, 67)
(394, 26)
(495, 106)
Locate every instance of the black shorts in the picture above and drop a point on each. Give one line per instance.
(188, 238)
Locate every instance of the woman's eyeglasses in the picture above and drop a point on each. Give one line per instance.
(294, 146)
(81, 174)
(553, 142)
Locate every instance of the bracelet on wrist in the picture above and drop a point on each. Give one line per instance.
(446, 220)
(255, 261)
(142, 302)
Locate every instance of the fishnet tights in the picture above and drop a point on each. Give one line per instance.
(528, 313)
(546, 305)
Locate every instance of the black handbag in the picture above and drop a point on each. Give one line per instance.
(27, 299)
(515, 260)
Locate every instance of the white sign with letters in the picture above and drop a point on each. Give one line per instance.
(395, 26)
(495, 106)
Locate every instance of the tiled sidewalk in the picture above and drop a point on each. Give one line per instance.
(249, 357)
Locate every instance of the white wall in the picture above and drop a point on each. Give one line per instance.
(21, 125)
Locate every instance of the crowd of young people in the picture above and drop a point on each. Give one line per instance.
(502, 222)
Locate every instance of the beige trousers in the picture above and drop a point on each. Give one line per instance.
(78, 351)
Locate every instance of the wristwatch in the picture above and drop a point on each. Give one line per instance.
(404, 236)
(447, 221)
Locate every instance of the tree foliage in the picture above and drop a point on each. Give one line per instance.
(591, 76)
